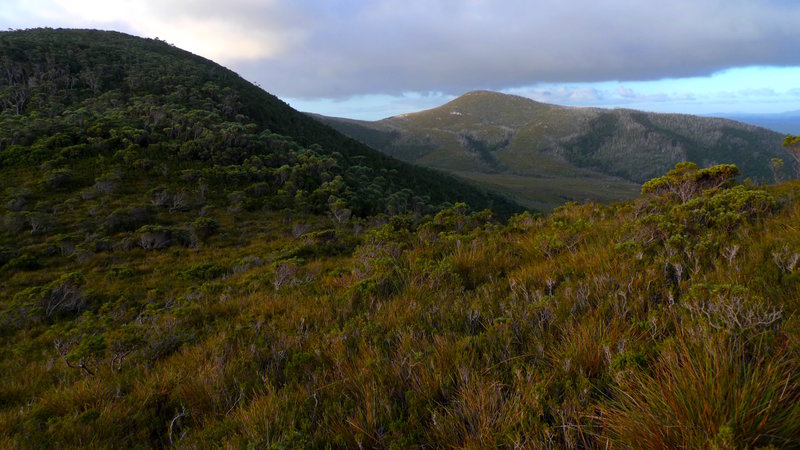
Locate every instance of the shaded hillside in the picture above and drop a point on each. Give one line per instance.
(113, 92)
(545, 154)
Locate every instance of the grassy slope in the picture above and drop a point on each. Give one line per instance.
(450, 332)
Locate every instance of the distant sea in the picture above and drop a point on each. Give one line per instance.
(787, 122)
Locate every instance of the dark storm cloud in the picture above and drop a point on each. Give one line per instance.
(366, 47)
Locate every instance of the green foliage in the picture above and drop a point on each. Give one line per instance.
(204, 227)
(686, 180)
(776, 164)
(24, 262)
(220, 295)
(203, 271)
(792, 143)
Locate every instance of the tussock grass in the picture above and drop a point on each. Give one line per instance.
(714, 392)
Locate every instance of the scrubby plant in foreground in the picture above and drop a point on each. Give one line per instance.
(595, 326)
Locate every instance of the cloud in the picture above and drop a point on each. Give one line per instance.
(759, 92)
(342, 48)
(626, 92)
(453, 46)
(230, 31)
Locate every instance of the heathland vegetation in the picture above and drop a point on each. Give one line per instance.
(187, 262)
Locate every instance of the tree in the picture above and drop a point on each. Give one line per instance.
(792, 143)
(686, 180)
(776, 164)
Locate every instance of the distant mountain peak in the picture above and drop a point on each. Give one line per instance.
(484, 97)
(544, 154)
(478, 106)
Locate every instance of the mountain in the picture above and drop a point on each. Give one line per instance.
(186, 262)
(191, 109)
(138, 181)
(543, 155)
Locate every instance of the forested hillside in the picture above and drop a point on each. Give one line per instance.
(186, 262)
(543, 155)
(100, 93)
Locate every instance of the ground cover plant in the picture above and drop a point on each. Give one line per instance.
(178, 274)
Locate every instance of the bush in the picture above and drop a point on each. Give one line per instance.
(203, 271)
(121, 272)
(126, 219)
(153, 237)
(685, 180)
(204, 227)
(24, 262)
(56, 179)
(65, 295)
(157, 237)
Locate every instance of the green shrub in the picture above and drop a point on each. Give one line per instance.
(203, 271)
(56, 179)
(204, 227)
(121, 272)
(126, 219)
(25, 261)
(686, 180)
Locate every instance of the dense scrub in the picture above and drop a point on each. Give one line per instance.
(241, 288)
(665, 321)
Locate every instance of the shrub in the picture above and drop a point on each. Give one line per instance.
(685, 180)
(204, 227)
(6, 255)
(154, 237)
(203, 271)
(56, 179)
(126, 219)
(64, 295)
(284, 275)
(25, 261)
(121, 272)
(18, 200)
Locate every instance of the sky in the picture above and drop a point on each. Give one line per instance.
(370, 59)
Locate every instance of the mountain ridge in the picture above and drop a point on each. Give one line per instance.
(594, 153)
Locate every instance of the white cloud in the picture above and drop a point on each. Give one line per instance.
(229, 31)
(758, 92)
(626, 92)
(565, 95)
